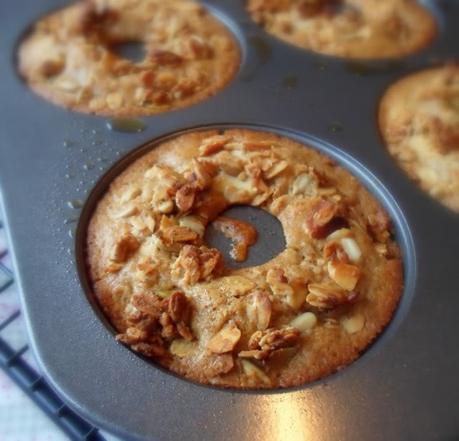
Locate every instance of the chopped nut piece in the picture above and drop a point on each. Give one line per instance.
(256, 354)
(334, 250)
(113, 267)
(178, 307)
(163, 293)
(221, 364)
(379, 225)
(67, 85)
(321, 214)
(184, 198)
(235, 286)
(278, 282)
(279, 204)
(210, 205)
(165, 206)
(143, 225)
(304, 184)
(214, 144)
(156, 319)
(344, 274)
(184, 88)
(147, 77)
(114, 100)
(259, 309)
(269, 5)
(168, 326)
(255, 373)
(328, 296)
(241, 233)
(148, 304)
(310, 8)
(52, 67)
(164, 81)
(351, 248)
(147, 271)
(178, 234)
(236, 190)
(381, 248)
(203, 172)
(257, 179)
(197, 48)
(160, 97)
(126, 211)
(125, 248)
(163, 57)
(304, 322)
(292, 290)
(275, 276)
(210, 261)
(272, 339)
(194, 223)
(182, 348)
(132, 336)
(150, 350)
(130, 193)
(196, 263)
(225, 340)
(253, 146)
(339, 234)
(353, 324)
(179, 310)
(276, 169)
(260, 199)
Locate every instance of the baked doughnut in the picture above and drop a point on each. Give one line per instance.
(304, 314)
(365, 29)
(70, 59)
(419, 121)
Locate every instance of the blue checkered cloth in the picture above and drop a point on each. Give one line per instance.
(20, 418)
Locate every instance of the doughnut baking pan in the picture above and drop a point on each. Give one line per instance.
(52, 161)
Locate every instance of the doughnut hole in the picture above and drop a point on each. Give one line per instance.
(270, 241)
(130, 50)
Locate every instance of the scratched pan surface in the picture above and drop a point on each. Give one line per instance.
(405, 387)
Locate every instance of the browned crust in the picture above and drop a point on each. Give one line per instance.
(222, 67)
(327, 348)
(431, 158)
(325, 36)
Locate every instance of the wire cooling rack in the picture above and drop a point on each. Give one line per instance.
(16, 359)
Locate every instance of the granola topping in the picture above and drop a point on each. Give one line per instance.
(355, 29)
(225, 340)
(171, 297)
(419, 121)
(70, 56)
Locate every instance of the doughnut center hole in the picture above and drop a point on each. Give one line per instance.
(130, 50)
(270, 241)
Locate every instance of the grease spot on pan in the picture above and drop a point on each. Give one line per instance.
(335, 127)
(290, 82)
(369, 68)
(75, 204)
(126, 125)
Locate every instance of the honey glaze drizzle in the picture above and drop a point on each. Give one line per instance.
(242, 235)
